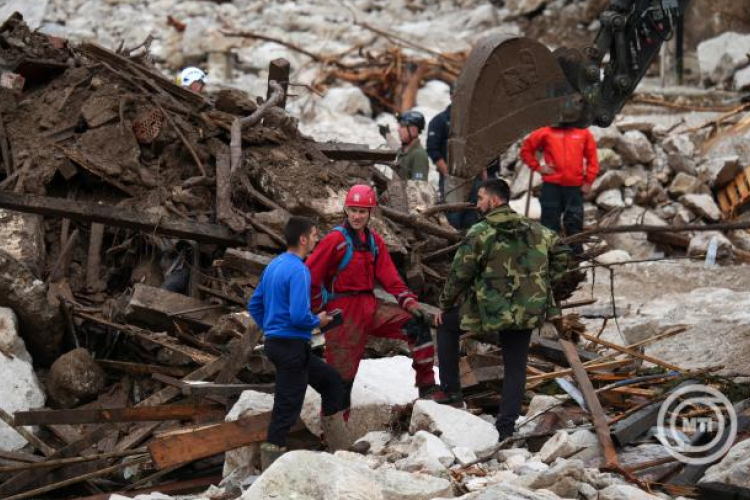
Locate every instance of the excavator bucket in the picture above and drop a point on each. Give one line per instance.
(509, 86)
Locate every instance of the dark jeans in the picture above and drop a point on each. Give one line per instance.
(296, 366)
(566, 203)
(515, 346)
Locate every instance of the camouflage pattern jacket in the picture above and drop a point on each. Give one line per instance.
(502, 272)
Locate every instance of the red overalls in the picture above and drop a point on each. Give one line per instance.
(363, 314)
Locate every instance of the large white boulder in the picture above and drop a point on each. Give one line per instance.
(243, 462)
(719, 57)
(456, 427)
(380, 386)
(307, 475)
(426, 453)
(535, 207)
(559, 445)
(21, 390)
(349, 100)
(610, 199)
(734, 468)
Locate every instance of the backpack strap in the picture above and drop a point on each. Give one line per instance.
(346, 259)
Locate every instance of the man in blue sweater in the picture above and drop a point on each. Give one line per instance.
(281, 306)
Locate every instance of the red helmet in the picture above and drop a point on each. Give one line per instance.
(361, 196)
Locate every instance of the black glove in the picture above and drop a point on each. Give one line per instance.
(384, 130)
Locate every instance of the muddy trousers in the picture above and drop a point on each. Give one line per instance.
(566, 203)
(364, 317)
(296, 366)
(515, 347)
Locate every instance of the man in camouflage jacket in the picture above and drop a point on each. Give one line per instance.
(499, 284)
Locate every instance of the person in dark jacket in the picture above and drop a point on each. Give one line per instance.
(437, 146)
(281, 307)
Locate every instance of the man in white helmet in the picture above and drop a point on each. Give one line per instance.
(192, 78)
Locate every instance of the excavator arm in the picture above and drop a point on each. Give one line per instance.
(510, 86)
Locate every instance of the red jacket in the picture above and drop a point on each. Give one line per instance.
(359, 275)
(564, 152)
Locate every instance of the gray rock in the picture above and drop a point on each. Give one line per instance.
(628, 123)
(680, 144)
(307, 475)
(610, 199)
(426, 453)
(74, 378)
(464, 456)
(703, 205)
(376, 440)
(606, 137)
(683, 216)
(608, 159)
(684, 184)
(679, 163)
(562, 478)
(614, 179)
(720, 57)
(242, 462)
(613, 257)
(505, 491)
(455, 427)
(742, 79)
(522, 7)
(635, 244)
(699, 245)
(635, 148)
(717, 172)
(734, 468)
(559, 445)
(625, 492)
(740, 239)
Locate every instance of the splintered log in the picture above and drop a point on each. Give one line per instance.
(145, 414)
(208, 388)
(611, 461)
(355, 152)
(246, 262)
(186, 447)
(551, 350)
(632, 353)
(420, 224)
(160, 308)
(119, 217)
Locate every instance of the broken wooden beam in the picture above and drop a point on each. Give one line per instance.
(278, 71)
(120, 217)
(192, 445)
(246, 262)
(631, 352)
(599, 418)
(355, 152)
(182, 487)
(420, 224)
(144, 414)
(550, 349)
(208, 388)
(159, 308)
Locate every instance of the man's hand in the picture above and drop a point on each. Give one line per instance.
(586, 189)
(441, 166)
(439, 318)
(416, 311)
(324, 318)
(384, 130)
(546, 169)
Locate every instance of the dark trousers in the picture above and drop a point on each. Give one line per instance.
(296, 366)
(566, 203)
(515, 347)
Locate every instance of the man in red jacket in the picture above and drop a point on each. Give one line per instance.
(566, 178)
(344, 268)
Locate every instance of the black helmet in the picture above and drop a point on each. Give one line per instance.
(413, 118)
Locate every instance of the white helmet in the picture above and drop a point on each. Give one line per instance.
(190, 75)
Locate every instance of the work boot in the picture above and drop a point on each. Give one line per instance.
(455, 399)
(426, 391)
(336, 432)
(269, 452)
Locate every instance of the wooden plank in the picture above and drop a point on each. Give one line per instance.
(355, 152)
(631, 352)
(79, 159)
(187, 447)
(240, 351)
(207, 388)
(550, 349)
(156, 307)
(186, 486)
(144, 414)
(244, 261)
(141, 369)
(120, 217)
(611, 461)
(278, 71)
